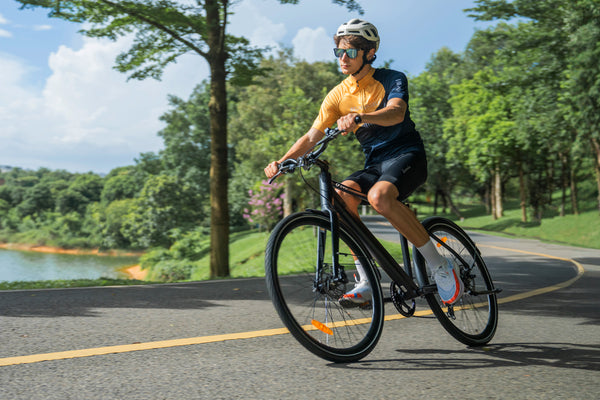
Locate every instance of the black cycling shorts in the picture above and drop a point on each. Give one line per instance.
(407, 172)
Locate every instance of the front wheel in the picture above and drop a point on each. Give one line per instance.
(306, 292)
(474, 318)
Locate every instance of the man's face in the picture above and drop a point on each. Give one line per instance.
(349, 65)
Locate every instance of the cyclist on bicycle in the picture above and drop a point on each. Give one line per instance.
(373, 103)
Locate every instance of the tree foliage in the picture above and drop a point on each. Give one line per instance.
(513, 116)
(163, 31)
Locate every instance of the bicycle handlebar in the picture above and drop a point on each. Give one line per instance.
(309, 158)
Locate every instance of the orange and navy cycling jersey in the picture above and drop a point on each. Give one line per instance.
(372, 93)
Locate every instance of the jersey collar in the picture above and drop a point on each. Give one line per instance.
(355, 85)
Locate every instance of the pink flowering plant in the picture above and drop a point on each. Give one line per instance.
(266, 205)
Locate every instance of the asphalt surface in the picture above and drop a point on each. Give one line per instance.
(547, 345)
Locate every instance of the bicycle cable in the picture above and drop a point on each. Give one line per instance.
(330, 134)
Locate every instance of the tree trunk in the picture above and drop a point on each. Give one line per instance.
(447, 196)
(596, 147)
(287, 197)
(487, 198)
(523, 193)
(498, 193)
(219, 206)
(493, 197)
(564, 183)
(453, 208)
(549, 181)
(573, 183)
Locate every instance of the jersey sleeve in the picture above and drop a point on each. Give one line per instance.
(329, 112)
(397, 86)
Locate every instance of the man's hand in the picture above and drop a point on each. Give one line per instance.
(347, 123)
(272, 169)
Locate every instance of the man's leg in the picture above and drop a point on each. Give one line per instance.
(352, 202)
(361, 291)
(383, 197)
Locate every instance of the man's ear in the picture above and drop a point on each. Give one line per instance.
(371, 54)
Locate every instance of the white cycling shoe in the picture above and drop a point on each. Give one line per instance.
(450, 286)
(360, 295)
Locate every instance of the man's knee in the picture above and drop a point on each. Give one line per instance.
(382, 196)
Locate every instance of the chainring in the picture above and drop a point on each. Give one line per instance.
(398, 299)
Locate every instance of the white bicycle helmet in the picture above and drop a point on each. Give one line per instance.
(359, 27)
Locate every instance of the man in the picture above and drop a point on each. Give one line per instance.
(374, 104)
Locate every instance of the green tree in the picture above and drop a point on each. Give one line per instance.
(36, 200)
(430, 107)
(480, 132)
(563, 35)
(71, 200)
(121, 183)
(275, 111)
(165, 30)
(112, 223)
(165, 203)
(89, 185)
(582, 23)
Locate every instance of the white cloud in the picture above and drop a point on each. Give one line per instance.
(313, 44)
(248, 21)
(42, 27)
(3, 32)
(87, 116)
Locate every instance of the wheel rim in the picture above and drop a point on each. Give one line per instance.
(309, 305)
(474, 313)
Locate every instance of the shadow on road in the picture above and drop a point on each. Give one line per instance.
(87, 301)
(579, 300)
(558, 355)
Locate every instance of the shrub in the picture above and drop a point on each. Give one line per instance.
(266, 205)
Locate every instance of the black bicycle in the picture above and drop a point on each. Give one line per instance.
(310, 255)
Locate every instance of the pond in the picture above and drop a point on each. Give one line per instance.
(34, 266)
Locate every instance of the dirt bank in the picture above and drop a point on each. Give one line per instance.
(135, 272)
(60, 250)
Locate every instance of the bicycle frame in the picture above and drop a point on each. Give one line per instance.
(332, 204)
(314, 308)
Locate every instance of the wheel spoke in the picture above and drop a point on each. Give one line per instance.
(308, 300)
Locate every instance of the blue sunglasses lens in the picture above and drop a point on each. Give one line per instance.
(339, 53)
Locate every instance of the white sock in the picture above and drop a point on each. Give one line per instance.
(362, 275)
(433, 258)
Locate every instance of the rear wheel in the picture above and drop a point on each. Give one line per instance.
(306, 293)
(474, 318)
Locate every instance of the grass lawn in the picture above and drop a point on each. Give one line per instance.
(247, 248)
(581, 230)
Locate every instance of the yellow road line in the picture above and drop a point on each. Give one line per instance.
(537, 292)
(97, 351)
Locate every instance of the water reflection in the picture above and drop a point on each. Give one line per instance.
(33, 266)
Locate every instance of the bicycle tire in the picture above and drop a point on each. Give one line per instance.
(474, 318)
(310, 307)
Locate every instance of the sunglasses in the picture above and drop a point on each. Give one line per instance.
(339, 53)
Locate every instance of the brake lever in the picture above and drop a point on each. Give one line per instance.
(287, 166)
(274, 177)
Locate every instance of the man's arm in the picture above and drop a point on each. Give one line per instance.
(392, 114)
(302, 145)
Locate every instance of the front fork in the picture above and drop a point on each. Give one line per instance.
(338, 274)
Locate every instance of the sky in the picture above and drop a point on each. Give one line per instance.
(63, 106)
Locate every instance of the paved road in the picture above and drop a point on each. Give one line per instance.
(547, 344)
